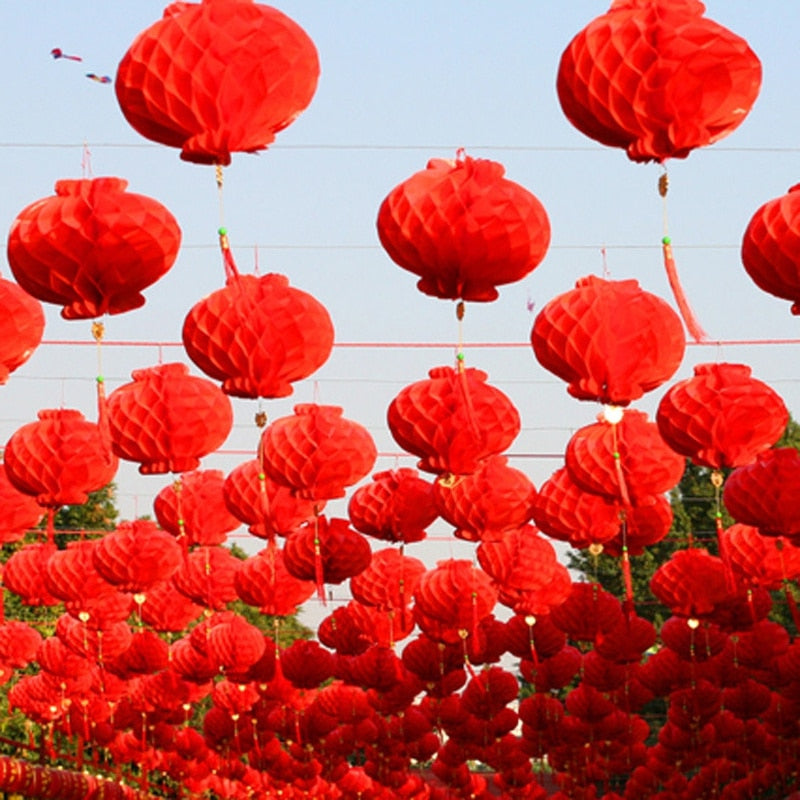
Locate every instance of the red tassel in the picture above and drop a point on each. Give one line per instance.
(689, 319)
(623, 485)
(626, 575)
(318, 572)
(231, 271)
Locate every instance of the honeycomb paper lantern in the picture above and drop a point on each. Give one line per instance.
(167, 419)
(463, 228)
(217, 77)
(657, 78)
(21, 327)
(93, 247)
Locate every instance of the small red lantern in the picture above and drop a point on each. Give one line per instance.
(207, 577)
(389, 581)
(610, 340)
(657, 78)
(217, 77)
(24, 574)
(264, 582)
(258, 335)
(397, 506)
(193, 507)
(770, 245)
(93, 247)
(463, 228)
(19, 512)
(692, 583)
(764, 494)
(266, 507)
(167, 419)
(721, 417)
(625, 460)
(60, 458)
(493, 499)
(453, 420)
(21, 327)
(317, 453)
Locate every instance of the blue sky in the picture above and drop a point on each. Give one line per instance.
(401, 83)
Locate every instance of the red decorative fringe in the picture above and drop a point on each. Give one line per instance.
(689, 319)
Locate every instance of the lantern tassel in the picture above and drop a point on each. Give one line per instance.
(626, 575)
(231, 271)
(690, 320)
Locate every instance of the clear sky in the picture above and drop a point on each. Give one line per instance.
(401, 83)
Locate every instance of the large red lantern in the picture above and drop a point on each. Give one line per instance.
(624, 459)
(463, 228)
(453, 420)
(770, 245)
(610, 340)
(266, 507)
(396, 506)
(317, 452)
(722, 416)
(167, 420)
(21, 327)
(764, 494)
(93, 247)
(657, 78)
(217, 77)
(258, 335)
(193, 507)
(60, 458)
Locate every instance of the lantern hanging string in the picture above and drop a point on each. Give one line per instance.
(689, 318)
(98, 331)
(231, 272)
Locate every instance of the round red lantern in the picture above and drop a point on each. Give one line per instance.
(453, 420)
(60, 458)
(396, 506)
(21, 327)
(193, 507)
(609, 340)
(264, 582)
(266, 507)
(93, 247)
(136, 556)
(463, 228)
(692, 583)
(207, 577)
(766, 561)
(217, 77)
(258, 335)
(167, 420)
(19, 512)
(770, 245)
(764, 494)
(389, 581)
(24, 574)
(624, 459)
(721, 417)
(657, 78)
(493, 499)
(317, 452)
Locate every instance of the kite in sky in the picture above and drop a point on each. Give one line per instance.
(98, 78)
(57, 52)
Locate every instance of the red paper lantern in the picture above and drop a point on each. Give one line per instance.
(657, 78)
(317, 453)
(764, 494)
(258, 335)
(526, 571)
(565, 512)
(93, 247)
(721, 417)
(266, 507)
(493, 499)
(21, 327)
(60, 458)
(692, 583)
(264, 582)
(167, 420)
(24, 574)
(623, 459)
(389, 580)
(396, 506)
(136, 556)
(19, 512)
(645, 524)
(194, 507)
(587, 611)
(326, 551)
(766, 561)
(770, 245)
(610, 340)
(207, 577)
(463, 228)
(453, 420)
(217, 77)
(168, 610)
